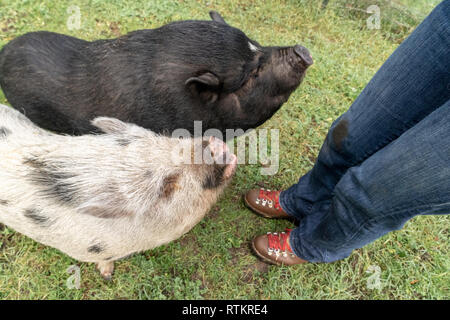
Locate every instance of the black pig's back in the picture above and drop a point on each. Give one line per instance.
(40, 74)
(61, 82)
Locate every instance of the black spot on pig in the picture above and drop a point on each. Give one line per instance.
(52, 180)
(169, 185)
(4, 132)
(109, 258)
(148, 174)
(160, 79)
(214, 177)
(123, 142)
(4, 202)
(37, 217)
(110, 212)
(96, 248)
(340, 132)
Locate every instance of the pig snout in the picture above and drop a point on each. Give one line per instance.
(304, 55)
(222, 155)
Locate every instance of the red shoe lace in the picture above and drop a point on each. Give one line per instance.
(271, 196)
(278, 242)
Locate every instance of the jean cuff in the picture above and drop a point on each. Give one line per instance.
(285, 202)
(295, 243)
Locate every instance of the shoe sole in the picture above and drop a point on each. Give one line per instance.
(247, 203)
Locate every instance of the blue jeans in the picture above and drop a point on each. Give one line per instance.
(387, 159)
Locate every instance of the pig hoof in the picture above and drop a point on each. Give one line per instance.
(106, 270)
(106, 276)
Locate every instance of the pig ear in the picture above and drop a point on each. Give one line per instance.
(215, 16)
(204, 86)
(109, 125)
(207, 79)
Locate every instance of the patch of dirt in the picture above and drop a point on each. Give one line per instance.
(205, 284)
(248, 271)
(354, 262)
(115, 29)
(237, 253)
(214, 213)
(6, 240)
(189, 241)
(426, 257)
(8, 25)
(262, 266)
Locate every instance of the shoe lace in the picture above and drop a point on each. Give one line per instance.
(278, 242)
(272, 197)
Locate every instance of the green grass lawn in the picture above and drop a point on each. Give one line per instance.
(214, 260)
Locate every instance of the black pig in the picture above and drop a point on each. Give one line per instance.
(161, 79)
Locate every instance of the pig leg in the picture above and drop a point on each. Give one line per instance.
(106, 269)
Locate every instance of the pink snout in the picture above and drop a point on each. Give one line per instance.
(223, 155)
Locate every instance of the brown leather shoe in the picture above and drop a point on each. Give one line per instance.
(265, 203)
(274, 248)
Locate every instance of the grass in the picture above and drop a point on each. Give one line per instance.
(214, 260)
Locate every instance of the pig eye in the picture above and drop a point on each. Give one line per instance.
(256, 73)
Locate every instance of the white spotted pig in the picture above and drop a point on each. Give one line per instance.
(99, 198)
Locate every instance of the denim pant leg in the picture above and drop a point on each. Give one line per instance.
(411, 84)
(408, 177)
